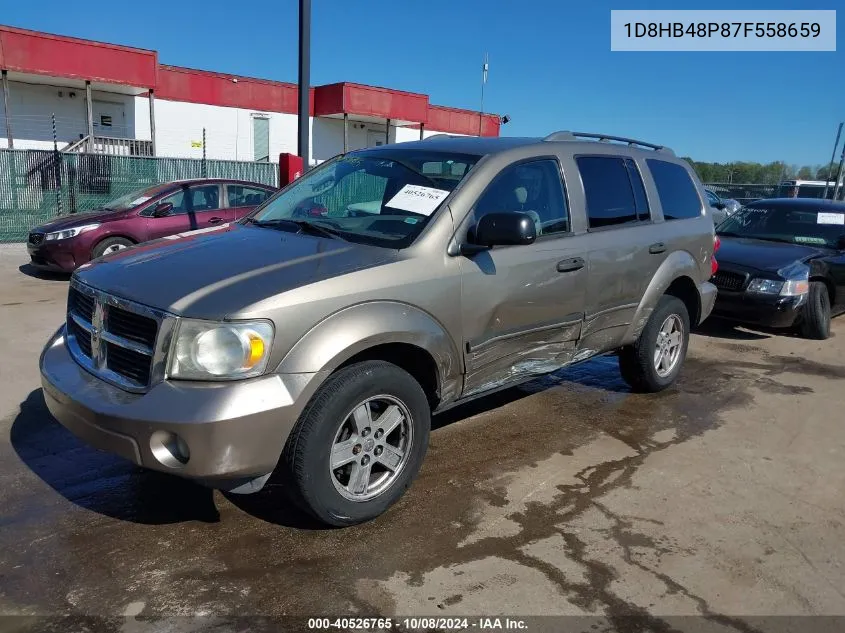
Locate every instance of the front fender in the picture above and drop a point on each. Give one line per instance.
(677, 264)
(357, 328)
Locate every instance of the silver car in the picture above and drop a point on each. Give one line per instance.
(316, 337)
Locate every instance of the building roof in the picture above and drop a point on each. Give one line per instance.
(40, 56)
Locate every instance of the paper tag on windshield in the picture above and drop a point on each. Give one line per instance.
(140, 200)
(417, 199)
(831, 218)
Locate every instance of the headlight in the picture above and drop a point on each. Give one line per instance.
(68, 233)
(796, 284)
(206, 350)
(765, 286)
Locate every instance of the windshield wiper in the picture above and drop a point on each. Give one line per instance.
(303, 225)
(318, 229)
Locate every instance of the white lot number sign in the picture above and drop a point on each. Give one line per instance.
(831, 218)
(417, 199)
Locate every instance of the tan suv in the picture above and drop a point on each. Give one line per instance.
(317, 336)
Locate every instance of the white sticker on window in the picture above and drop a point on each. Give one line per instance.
(831, 218)
(417, 199)
(140, 200)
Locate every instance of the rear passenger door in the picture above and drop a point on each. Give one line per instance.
(241, 199)
(522, 305)
(623, 248)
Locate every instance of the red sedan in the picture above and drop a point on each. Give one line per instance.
(157, 211)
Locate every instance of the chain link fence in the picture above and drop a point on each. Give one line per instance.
(39, 185)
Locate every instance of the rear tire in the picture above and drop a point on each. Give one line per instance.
(815, 321)
(348, 422)
(655, 360)
(110, 245)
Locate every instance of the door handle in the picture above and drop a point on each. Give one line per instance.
(570, 265)
(656, 249)
(215, 220)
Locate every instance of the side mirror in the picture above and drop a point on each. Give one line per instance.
(162, 209)
(505, 229)
(719, 205)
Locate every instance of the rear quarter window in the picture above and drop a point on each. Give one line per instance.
(677, 193)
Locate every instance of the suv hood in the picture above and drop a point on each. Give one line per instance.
(79, 219)
(214, 273)
(762, 254)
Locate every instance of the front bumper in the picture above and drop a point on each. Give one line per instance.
(52, 256)
(759, 309)
(234, 431)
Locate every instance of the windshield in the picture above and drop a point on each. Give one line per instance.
(794, 224)
(134, 198)
(380, 198)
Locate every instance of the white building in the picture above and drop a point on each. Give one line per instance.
(115, 99)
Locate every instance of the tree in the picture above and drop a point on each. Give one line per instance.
(805, 173)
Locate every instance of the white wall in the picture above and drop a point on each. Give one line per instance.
(32, 106)
(228, 131)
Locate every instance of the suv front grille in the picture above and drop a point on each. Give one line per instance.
(36, 238)
(726, 280)
(112, 338)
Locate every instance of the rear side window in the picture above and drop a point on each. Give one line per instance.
(241, 196)
(614, 190)
(678, 195)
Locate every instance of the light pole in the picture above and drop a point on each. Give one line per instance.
(304, 111)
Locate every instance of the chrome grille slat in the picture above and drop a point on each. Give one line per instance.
(115, 339)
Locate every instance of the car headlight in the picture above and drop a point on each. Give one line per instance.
(205, 350)
(68, 233)
(796, 284)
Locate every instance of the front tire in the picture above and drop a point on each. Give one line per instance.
(359, 443)
(815, 322)
(110, 245)
(654, 361)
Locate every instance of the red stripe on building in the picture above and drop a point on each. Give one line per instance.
(57, 56)
(374, 101)
(200, 86)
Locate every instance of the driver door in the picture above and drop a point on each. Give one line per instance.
(522, 306)
(194, 207)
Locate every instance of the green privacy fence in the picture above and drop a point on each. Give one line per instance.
(39, 185)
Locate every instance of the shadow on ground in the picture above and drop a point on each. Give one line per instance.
(31, 271)
(101, 482)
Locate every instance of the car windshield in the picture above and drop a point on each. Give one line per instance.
(382, 198)
(783, 223)
(134, 198)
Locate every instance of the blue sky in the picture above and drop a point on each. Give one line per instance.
(550, 64)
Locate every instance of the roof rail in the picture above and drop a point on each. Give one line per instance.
(439, 135)
(565, 135)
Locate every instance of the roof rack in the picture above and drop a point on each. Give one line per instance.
(565, 135)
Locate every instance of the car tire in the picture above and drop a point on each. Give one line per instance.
(110, 245)
(330, 431)
(815, 321)
(664, 338)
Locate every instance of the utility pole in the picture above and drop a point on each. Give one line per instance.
(304, 111)
(830, 164)
(484, 68)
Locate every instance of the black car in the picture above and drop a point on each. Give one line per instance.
(782, 264)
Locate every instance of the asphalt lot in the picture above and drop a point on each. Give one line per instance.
(721, 497)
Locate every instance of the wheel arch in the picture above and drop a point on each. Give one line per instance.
(381, 330)
(676, 276)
